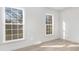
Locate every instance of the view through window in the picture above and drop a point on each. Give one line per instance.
(13, 23)
(48, 24)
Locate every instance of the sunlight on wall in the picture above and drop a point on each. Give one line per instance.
(64, 29)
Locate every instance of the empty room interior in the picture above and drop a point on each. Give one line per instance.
(39, 29)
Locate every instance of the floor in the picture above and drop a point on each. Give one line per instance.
(53, 45)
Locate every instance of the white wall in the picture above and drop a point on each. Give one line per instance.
(34, 28)
(71, 18)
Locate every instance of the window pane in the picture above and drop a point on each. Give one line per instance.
(14, 26)
(20, 27)
(20, 35)
(15, 37)
(8, 26)
(14, 31)
(13, 15)
(8, 20)
(8, 32)
(48, 29)
(19, 16)
(48, 19)
(8, 37)
(8, 15)
(13, 20)
(20, 31)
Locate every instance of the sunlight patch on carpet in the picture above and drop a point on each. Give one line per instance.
(60, 46)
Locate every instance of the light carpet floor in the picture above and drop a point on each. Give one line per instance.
(53, 45)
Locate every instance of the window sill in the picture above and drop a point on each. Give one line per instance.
(10, 41)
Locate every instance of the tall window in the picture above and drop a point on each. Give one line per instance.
(48, 24)
(13, 24)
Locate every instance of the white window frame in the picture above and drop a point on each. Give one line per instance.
(53, 28)
(4, 23)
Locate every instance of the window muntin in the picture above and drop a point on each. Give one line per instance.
(13, 24)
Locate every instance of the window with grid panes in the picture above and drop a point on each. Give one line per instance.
(13, 23)
(48, 24)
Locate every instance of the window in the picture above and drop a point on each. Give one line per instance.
(13, 24)
(49, 25)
